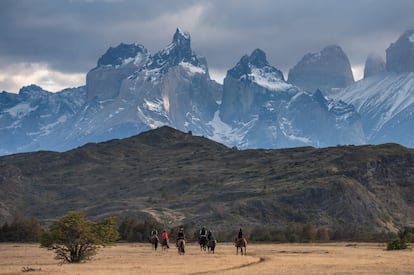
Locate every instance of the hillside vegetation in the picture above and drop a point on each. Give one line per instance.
(179, 178)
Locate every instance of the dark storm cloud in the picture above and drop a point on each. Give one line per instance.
(70, 36)
(287, 30)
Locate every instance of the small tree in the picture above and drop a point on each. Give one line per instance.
(75, 239)
(397, 244)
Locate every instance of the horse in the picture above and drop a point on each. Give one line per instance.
(164, 244)
(154, 240)
(211, 245)
(181, 246)
(203, 243)
(240, 242)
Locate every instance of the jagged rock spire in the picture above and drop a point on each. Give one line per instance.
(400, 55)
(257, 59)
(374, 64)
(329, 68)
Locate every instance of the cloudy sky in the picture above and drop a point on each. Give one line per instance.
(54, 43)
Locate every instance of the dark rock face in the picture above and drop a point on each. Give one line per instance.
(257, 60)
(104, 81)
(400, 55)
(374, 65)
(324, 70)
(179, 50)
(116, 56)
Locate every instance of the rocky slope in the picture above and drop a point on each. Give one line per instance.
(271, 113)
(179, 178)
(385, 100)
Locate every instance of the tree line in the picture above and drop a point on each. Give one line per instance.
(75, 239)
(137, 230)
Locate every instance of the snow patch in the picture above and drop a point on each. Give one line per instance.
(20, 110)
(191, 69)
(224, 133)
(286, 128)
(154, 106)
(268, 80)
(411, 38)
(47, 129)
(382, 97)
(152, 123)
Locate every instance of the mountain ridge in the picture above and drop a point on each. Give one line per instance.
(179, 178)
(130, 91)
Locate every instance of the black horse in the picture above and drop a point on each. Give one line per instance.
(211, 245)
(203, 243)
(154, 240)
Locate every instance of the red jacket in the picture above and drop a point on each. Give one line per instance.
(164, 235)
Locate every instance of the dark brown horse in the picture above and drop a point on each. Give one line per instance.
(154, 240)
(211, 245)
(164, 244)
(203, 243)
(240, 243)
(181, 246)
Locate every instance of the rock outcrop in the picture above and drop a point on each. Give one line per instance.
(400, 55)
(268, 112)
(324, 70)
(374, 64)
(104, 81)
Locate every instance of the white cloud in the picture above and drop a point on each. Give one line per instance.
(217, 74)
(15, 76)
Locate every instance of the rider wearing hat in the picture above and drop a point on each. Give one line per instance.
(180, 235)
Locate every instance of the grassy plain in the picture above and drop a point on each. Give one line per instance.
(332, 258)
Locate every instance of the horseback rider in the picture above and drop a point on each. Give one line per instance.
(203, 232)
(240, 234)
(209, 235)
(164, 237)
(154, 234)
(180, 235)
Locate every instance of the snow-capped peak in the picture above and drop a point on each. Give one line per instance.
(179, 35)
(179, 50)
(122, 54)
(255, 68)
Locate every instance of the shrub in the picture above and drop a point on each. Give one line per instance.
(75, 239)
(21, 230)
(397, 244)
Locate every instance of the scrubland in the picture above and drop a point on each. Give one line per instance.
(330, 258)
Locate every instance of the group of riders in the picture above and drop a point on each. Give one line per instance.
(203, 233)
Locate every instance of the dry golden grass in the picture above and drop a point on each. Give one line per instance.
(335, 258)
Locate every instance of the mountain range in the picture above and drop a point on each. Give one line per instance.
(131, 91)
